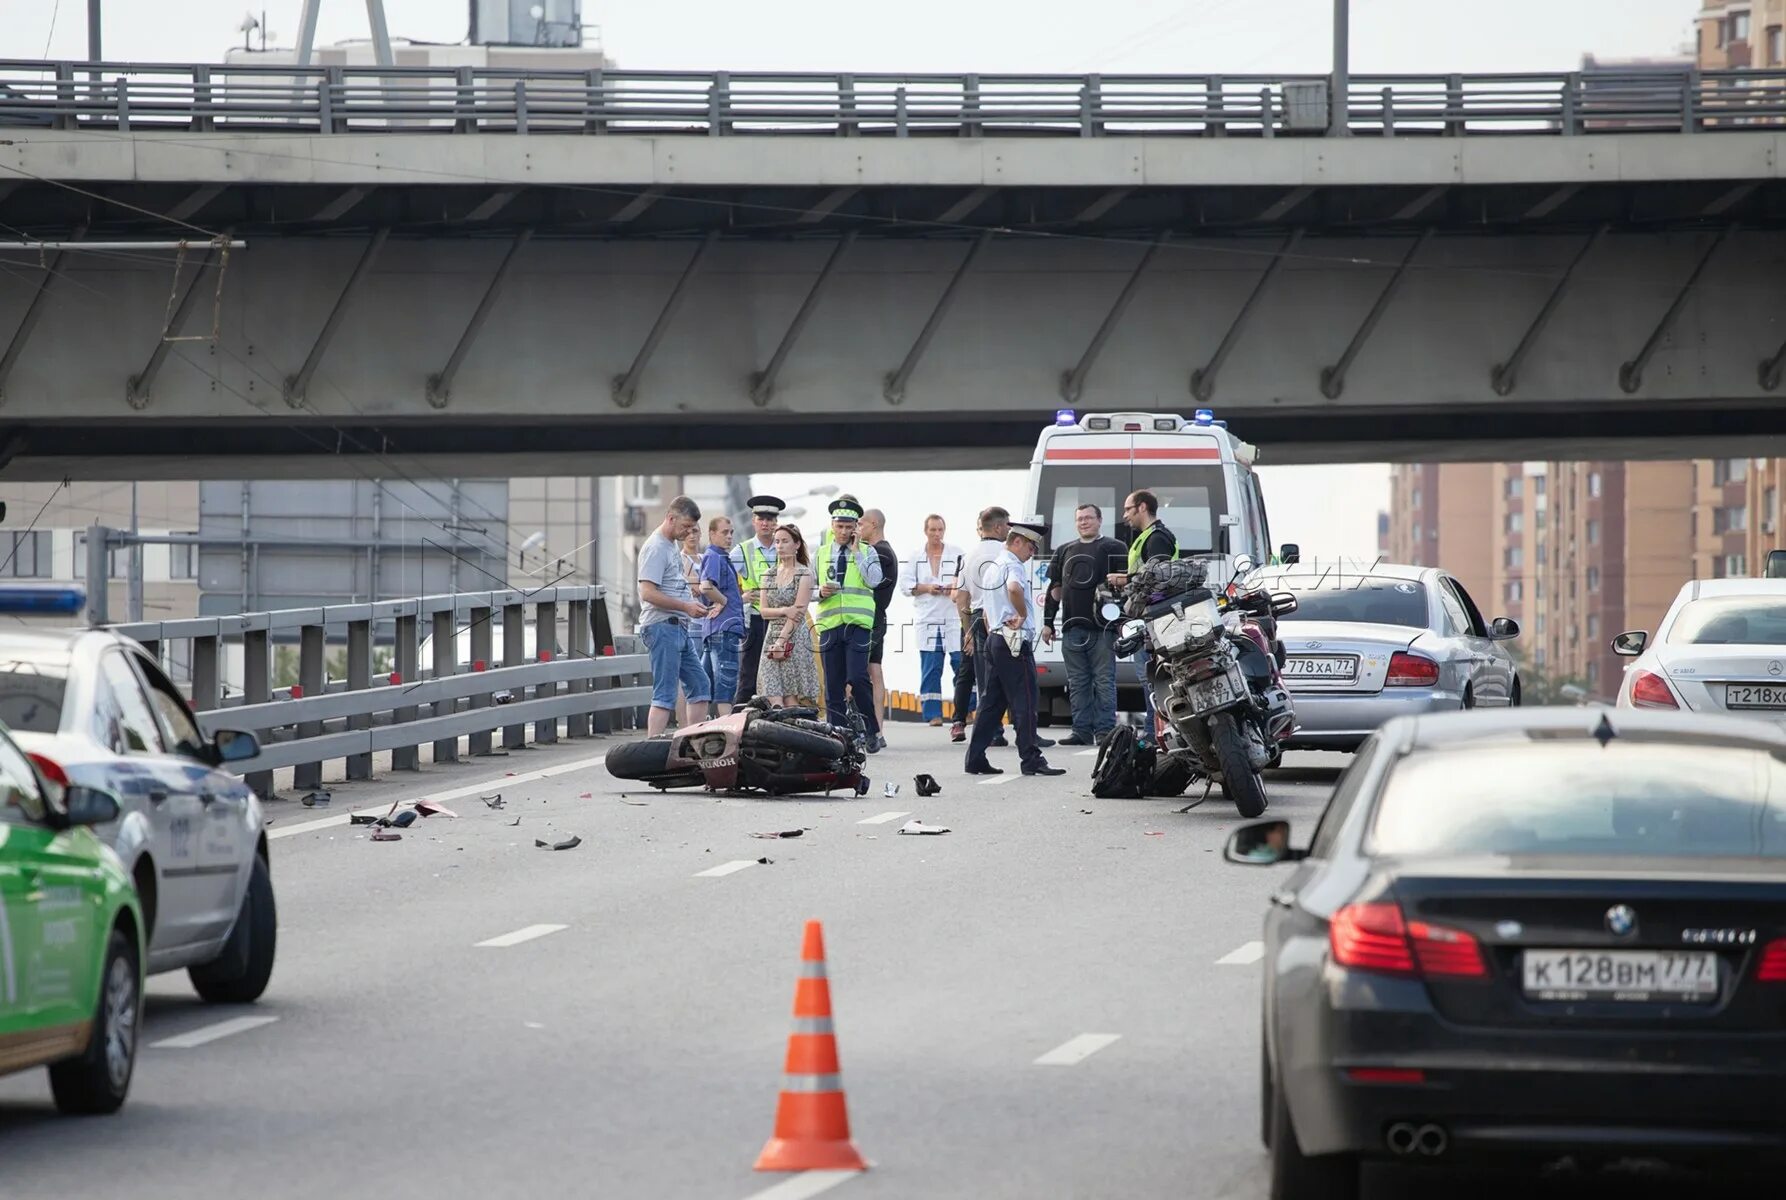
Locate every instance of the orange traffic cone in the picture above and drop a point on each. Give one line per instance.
(812, 1126)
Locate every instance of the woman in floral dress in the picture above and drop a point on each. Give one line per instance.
(788, 674)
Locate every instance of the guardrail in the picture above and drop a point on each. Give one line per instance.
(285, 98)
(588, 685)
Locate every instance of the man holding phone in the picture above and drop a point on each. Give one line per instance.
(849, 571)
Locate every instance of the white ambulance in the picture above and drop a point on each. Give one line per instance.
(1209, 497)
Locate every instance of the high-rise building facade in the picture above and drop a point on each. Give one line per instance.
(1734, 34)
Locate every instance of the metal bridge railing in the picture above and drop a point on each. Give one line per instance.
(576, 673)
(284, 98)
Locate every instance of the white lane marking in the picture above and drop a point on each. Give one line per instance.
(210, 1033)
(1077, 1050)
(883, 818)
(1085, 753)
(727, 868)
(1249, 953)
(804, 1185)
(996, 780)
(522, 935)
(470, 789)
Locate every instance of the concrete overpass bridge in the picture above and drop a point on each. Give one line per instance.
(514, 272)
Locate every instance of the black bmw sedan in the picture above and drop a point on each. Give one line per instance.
(1543, 934)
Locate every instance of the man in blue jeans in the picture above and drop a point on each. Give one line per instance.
(723, 634)
(1088, 642)
(666, 606)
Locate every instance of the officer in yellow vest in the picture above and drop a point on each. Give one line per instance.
(848, 572)
(753, 559)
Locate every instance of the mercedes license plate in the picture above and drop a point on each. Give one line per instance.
(1755, 695)
(1332, 668)
(1633, 975)
(1212, 693)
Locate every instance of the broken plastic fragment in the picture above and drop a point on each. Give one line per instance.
(317, 799)
(428, 809)
(916, 826)
(386, 835)
(767, 862)
(569, 843)
(495, 801)
(362, 819)
(927, 785)
(785, 833)
(402, 820)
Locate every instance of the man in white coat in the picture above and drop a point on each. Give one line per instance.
(931, 578)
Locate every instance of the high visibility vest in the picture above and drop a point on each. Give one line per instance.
(756, 571)
(1140, 541)
(854, 604)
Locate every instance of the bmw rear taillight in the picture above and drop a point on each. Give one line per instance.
(1411, 670)
(1773, 963)
(1375, 937)
(1650, 690)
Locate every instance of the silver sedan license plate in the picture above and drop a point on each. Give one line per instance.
(1325, 668)
(1755, 695)
(1625, 975)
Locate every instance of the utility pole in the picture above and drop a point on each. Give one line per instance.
(93, 24)
(1339, 89)
(135, 587)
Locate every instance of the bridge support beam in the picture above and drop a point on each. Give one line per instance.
(440, 386)
(625, 388)
(296, 386)
(1072, 383)
(1203, 379)
(28, 322)
(762, 384)
(1631, 373)
(1333, 379)
(138, 387)
(894, 386)
(1771, 368)
(1505, 376)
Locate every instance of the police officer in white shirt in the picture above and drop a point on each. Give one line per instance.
(1012, 618)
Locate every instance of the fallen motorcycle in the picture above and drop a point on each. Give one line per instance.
(758, 748)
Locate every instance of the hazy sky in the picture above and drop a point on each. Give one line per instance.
(1330, 510)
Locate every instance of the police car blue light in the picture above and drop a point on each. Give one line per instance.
(1205, 416)
(42, 600)
(1064, 416)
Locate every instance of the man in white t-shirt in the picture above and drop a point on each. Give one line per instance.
(666, 605)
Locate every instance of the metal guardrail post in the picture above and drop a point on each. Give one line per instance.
(312, 644)
(335, 85)
(576, 644)
(359, 679)
(482, 647)
(1388, 112)
(465, 105)
(1571, 123)
(257, 667)
(123, 104)
(202, 120)
(1267, 114)
(1454, 105)
(545, 621)
(446, 662)
(67, 118)
(1091, 97)
(595, 103)
(514, 654)
(847, 122)
(407, 666)
(207, 680)
(719, 98)
(900, 114)
(1218, 111)
(1690, 102)
(520, 106)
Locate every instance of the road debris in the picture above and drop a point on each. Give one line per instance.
(890, 790)
(316, 799)
(569, 843)
(495, 801)
(916, 826)
(785, 833)
(1085, 812)
(766, 862)
(402, 820)
(591, 795)
(429, 808)
(927, 785)
(386, 835)
(636, 803)
(1156, 833)
(516, 821)
(362, 819)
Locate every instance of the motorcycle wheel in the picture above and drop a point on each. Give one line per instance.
(647, 759)
(1240, 783)
(800, 741)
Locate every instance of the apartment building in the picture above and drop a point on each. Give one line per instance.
(1735, 34)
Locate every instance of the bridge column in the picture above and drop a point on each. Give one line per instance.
(311, 645)
(408, 668)
(446, 654)
(514, 654)
(545, 623)
(359, 679)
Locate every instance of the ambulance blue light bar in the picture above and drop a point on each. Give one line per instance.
(1205, 416)
(42, 599)
(1064, 416)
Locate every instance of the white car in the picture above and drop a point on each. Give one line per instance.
(92, 709)
(1721, 647)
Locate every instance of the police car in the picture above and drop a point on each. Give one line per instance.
(1209, 497)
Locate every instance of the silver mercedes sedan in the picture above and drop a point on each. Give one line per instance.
(1386, 641)
(1721, 647)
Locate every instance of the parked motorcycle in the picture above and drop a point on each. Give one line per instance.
(757, 748)
(1213, 665)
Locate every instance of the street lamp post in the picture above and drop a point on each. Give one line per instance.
(1340, 88)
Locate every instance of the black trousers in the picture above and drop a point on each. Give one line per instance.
(971, 674)
(843, 652)
(1010, 683)
(749, 657)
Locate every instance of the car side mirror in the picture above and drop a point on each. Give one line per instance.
(1630, 643)
(1262, 844)
(1284, 603)
(235, 745)
(1289, 554)
(1503, 629)
(89, 806)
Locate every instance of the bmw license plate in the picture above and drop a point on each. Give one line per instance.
(1212, 693)
(1755, 695)
(1626, 975)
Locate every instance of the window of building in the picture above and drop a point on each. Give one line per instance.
(1721, 29)
(1414, 498)
(1770, 507)
(1515, 591)
(1735, 566)
(182, 561)
(1538, 485)
(1513, 556)
(1730, 470)
(1692, 523)
(1593, 625)
(1514, 522)
(1538, 521)
(1538, 654)
(1739, 27)
(1593, 483)
(26, 555)
(1540, 631)
(1417, 536)
(1776, 46)
(1514, 487)
(1593, 674)
(1593, 579)
(1734, 519)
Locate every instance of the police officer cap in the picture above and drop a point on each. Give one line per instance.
(1034, 529)
(846, 508)
(767, 506)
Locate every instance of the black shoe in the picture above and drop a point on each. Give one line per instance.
(1044, 742)
(1044, 769)
(1073, 739)
(984, 769)
(1001, 740)
(875, 743)
(882, 739)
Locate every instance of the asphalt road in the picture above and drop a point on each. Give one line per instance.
(628, 1041)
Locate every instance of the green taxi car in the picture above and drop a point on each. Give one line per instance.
(71, 947)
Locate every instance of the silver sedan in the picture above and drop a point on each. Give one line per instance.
(1721, 647)
(1386, 641)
